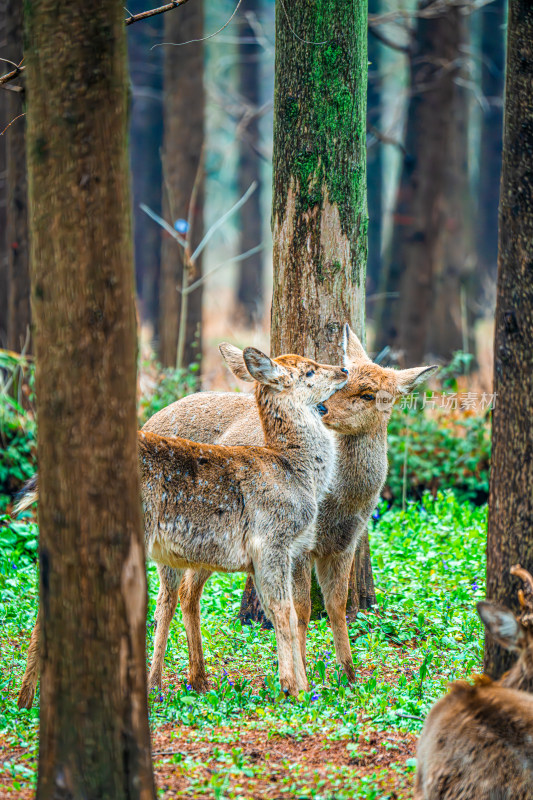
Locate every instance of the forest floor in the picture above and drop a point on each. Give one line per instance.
(243, 738)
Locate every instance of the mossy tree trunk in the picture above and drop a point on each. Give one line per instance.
(510, 528)
(19, 313)
(319, 207)
(94, 736)
(183, 138)
(319, 210)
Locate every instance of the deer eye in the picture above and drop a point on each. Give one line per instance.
(310, 373)
(368, 397)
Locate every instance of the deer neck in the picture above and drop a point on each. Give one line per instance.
(297, 433)
(361, 467)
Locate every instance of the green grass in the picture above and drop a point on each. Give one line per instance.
(429, 568)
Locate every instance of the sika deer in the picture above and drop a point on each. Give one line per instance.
(242, 509)
(359, 414)
(477, 741)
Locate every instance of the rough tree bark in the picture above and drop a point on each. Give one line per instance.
(492, 79)
(319, 209)
(94, 738)
(183, 136)
(419, 220)
(19, 312)
(250, 284)
(510, 527)
(4, 283)
(146, 141)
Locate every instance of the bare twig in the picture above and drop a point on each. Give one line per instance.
(160, 221)
(188, 262)
(204, 38)
(153, 11)
(8, 61)
(11, 76)
(234, 260)
(382, 137)
(401, 48)
(12, 121)
(189, 259)
(216, 225)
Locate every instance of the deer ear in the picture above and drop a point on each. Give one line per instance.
(264, 370)
(354, 352)
(235, 361)
(502, 625)
(407, 379)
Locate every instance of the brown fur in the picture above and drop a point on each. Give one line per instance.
(344, 511)
(477, 741)
(232, 509)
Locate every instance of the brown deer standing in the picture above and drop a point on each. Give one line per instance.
(241, 509)
(477, 741)
(359, 415)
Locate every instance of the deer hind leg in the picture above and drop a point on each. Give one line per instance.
(167, 600)
(190, 593)
(31, 675)
(272, 575)
(301, 596)
(333, 574)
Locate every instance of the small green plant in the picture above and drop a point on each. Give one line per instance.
(171, 385)
(441, 452)
(17, 424)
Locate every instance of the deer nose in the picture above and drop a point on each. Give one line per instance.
(344, 370)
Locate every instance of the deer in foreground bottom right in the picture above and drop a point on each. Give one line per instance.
(477, 741)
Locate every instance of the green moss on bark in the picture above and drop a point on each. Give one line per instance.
(320, 97)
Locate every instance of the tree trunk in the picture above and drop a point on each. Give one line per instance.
(146, 141)
(94, 738)
(19, 312)
(492, 79)
(183, 140)
(319, 211)
(374, 159)
(510, 527)
(451, 316)
(4, 262)
(250, 284)
(419, 220)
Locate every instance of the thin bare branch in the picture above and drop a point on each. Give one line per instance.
(12, 121)
(233, 260)
(153, 11)
(216, 225)
(188, 263)
(192, 200)
(11, 76)
(401, 48)
(204, 38)
(164, 224)
(382, 137)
